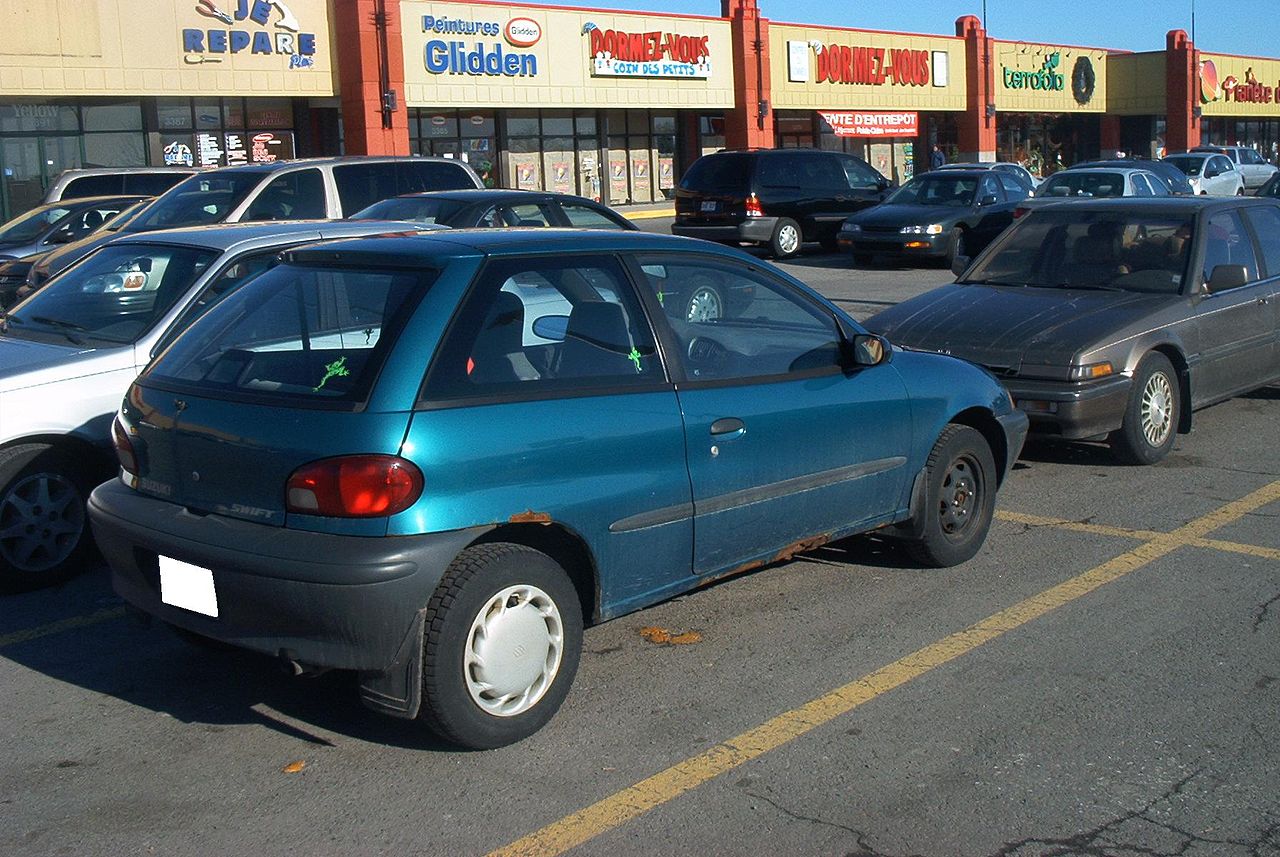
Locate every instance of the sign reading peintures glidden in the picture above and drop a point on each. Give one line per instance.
(479, 58)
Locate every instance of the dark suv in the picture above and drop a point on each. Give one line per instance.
(778, 198)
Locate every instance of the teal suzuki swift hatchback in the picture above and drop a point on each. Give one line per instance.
(430, 458)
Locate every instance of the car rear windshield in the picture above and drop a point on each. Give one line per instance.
(413, 210)
(30, 226)
(304, 334)
(1190, 166)
(1065, 247)
(113, 296)
(724, 171)
(206, 198)
(1069, 183)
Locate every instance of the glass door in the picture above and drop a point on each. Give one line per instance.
(30, 164)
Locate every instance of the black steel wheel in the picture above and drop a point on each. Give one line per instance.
(960, 499)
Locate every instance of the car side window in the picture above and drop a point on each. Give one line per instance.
(296, 195)
(1227, 243)
(1012, 186)
(1266, 226)
(528, 214)
(583, 217)
(824, 173)
(990, 187)
(417, 176)
(546, 326)
(732, 321)
(494, 217)
(1224, 164)
(1141, 187)
(360, 185)
(859, 175)
(94, 185)
(780, 171)
(1158, 187)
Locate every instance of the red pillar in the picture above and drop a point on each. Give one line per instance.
(750, 123)
(1109, 132)
(370, 62)
(1182, 92)
(977, 131)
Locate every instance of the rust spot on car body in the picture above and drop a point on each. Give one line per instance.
(781, 556)
(529, 517)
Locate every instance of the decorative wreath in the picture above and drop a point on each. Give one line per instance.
(1082, 80)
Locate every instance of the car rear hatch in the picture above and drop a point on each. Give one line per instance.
(276, 376)
(714, 192)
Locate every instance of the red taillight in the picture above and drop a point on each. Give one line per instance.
(354, 486)
(1018, 212)
(754, 208)
(124, 447)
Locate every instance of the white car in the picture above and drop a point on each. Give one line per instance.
(1209, 173)
(70, 350)
(1253, 169)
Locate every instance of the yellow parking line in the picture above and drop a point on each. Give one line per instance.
(649, 215)
(1075, 526)
(58, 627)
(631, 802)
(1236, 547)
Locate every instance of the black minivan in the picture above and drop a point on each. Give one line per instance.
(778, 198)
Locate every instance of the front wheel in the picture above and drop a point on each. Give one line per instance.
(960, 499)
(1151, 416)
(501, 646)
(786, 239)
(957, 246)
(44, 536)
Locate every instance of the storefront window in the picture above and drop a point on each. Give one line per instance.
(523, 123)
(710, 133)
(173, 113)
(1047, 142)
(208, 114)
(125, 116)
(40, 118)
(586, 124)
(557, 123)
(267, 113)
(119, 149)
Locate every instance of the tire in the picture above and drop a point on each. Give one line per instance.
(532, 646)
(960, 499)
(1151, 416)
(705, 303)
(786, 240)
(863, 258)
(829, 242)
(44, 527)
(956, 245)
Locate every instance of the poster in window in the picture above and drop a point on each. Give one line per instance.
(618, 178)
(236, 151)
(561, 176)
(527, 177)
(270, 146)
(666, 173)
(209, 150)
(640, 179)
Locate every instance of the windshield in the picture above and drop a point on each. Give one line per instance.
(412, 209)
(204, 198)
(1067, 183)
(1070, 248)
(30, 226)
(295, 332)
(113, 296)
(936, 190)
(1190, 166)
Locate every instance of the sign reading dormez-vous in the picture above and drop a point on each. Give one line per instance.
(616, 53)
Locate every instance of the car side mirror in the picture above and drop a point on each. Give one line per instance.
(959, 265)
(552, 327)
(989, 199)
(1227, 277)
(867, 349)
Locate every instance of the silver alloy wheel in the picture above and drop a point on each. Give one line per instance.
(704, 305)
(41, 521)
(788, 239)
(513, 651)
(1157, 409)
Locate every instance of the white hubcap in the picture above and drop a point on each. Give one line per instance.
(1157, 409)
(788, 239)
(513, 650)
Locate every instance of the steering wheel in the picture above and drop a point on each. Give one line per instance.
(707, 354)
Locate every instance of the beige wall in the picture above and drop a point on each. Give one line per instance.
(135, 47)
(1218, 101)
(794, 53)
(565, 68)
(1135, 84)
(1020, 66)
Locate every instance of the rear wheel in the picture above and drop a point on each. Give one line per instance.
(1151, 417)
(960, 498)
(44, 535)
(786, 239)
(501, 646)
(957, 246)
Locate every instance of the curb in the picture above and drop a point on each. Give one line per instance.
(648, 215)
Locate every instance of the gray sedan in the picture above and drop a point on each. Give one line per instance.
(1114, 319)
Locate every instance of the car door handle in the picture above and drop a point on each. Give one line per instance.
(727, 425)
(1263, 300)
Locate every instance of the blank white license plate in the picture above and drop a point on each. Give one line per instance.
(187, 586)
(710, 205)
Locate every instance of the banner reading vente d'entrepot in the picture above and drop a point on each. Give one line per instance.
(872, 123)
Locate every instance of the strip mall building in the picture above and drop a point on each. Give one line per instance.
(611, 105)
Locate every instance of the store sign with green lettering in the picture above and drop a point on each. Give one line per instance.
(1050, 77)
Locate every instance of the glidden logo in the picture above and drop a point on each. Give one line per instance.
(522, 32)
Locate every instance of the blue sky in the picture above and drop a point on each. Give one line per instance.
(1233, 27)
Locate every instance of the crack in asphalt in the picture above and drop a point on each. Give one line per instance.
(1107, 840)
(1261, 615)
(864, 849)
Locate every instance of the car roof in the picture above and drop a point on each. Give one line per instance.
(1198, 155)
(337, 160)
(78, 172)
(434, 248)
(229, 236)
(483, 194)
(1103, 168)
(1161, 204)
(957, 172)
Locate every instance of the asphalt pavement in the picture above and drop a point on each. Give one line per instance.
(1102, 679)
